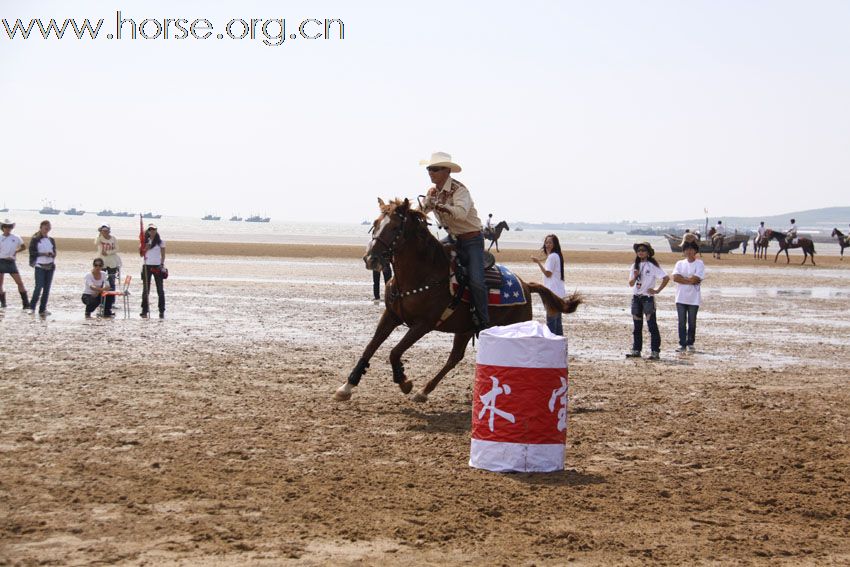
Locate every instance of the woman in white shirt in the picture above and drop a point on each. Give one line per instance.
(107, 250)
(154, 266)
(95, 284)
(642, 277)
(688, 275)
(10, 245)
(43, 258)
(553, 279)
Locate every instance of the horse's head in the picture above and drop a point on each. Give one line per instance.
(836, 233)
(390, 230)
(503, 225)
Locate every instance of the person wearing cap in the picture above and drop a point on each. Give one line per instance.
(688, 275)
(94, 285)
(107, 251)
(42, 251)
(154, 265)
(451, 203)
(643, 275)
(10, 245)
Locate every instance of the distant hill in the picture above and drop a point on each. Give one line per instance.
(813, 219)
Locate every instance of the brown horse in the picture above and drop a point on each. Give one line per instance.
(843, 241)
(805, 243)
(760, 246)
(419, 296)
(716, 242)
(495, 233)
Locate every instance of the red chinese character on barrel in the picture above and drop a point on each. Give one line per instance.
(519, 405)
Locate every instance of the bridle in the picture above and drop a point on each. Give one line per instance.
(388, 243)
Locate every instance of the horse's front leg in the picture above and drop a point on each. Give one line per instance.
(413, 334)
(386, 326)
(458, 350)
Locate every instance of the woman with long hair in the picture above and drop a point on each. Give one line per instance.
(154, 266)
(43, 258)
(643, 274)
(553, 278)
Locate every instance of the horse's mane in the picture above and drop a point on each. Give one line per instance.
(777, 234)
(433, 248)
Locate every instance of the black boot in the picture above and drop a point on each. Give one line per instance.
(2, 300)
(25, 300)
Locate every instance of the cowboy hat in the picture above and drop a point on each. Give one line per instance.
(441, 159)
(7, 222)
(646, 244)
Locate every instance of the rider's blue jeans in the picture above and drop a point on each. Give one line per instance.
(471, 254)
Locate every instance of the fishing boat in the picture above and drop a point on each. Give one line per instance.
(49, 210)
(236, 218)
(123, 214)
(105, 213)
(211, 217)
(257, 218)
(151, 216)
(5, 209)
(730, 242)
(365, 222)
(74, 212)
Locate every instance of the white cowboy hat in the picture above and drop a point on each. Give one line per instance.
(441, 159)
(7, 222)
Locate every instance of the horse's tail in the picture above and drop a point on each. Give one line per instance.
(554, 303)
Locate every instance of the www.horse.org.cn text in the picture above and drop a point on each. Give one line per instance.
(269, 31)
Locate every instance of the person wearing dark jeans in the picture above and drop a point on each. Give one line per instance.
(42, 251)
(107, 250)
(154, 272)
(376, 281)
(643, 274)
(688, 275)
(95, 284)
(154, 266)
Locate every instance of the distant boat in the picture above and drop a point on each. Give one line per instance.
(730, 242)
(49, 210)
(151, 216)
(124, 214)
(211, 217)
(518, 229)
(5, 209)
(610, 232)
(365, 222)
(74, 212)
(257, 218)
(105, 213)
(235, 218)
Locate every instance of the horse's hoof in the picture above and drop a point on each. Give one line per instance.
(343, 393)
(406, 386)
(420, 398)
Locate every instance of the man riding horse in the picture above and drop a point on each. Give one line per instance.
(451, 203)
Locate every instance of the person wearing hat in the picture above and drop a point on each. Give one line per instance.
(154, 266)
(107, 251)
(10, 245)
(451, 203)
(643, 275)
(688, 275)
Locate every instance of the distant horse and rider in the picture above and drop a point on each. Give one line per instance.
(717, 239)
(843, 241)
(493, 233)
(803, 243)
(420, 295)
(760, 243)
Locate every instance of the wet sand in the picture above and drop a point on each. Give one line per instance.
(210, 438)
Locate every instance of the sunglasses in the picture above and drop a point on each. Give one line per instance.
(435, 169)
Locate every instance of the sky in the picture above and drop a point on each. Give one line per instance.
(558, 111)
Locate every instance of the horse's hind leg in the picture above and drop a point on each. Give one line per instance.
(413, 334)
(458, 350)
(386, 326)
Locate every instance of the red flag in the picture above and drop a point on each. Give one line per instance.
(141, 236)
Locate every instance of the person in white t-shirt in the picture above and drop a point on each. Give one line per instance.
(154, 266)
(95, 284)
(792, 232)
(10, 245)
(553, 279)
(643, 275)
(688, 275)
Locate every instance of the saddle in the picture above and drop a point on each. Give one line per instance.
(493, 278)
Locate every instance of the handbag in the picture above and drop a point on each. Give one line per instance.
(160, 270)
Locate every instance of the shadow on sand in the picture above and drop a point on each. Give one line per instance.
(459, 422)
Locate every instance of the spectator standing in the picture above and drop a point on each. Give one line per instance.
(10, 245)
(553, 279)
(688, 275)
(42, 251)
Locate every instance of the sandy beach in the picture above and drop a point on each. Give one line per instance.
(210, 438)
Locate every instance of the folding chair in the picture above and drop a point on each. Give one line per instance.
(124, 292)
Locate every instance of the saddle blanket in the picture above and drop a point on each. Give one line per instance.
(510, 293)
